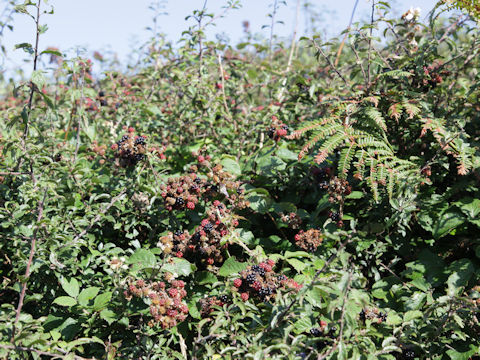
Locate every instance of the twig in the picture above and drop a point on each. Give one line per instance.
(227, 110)
(39, 352)
(29, 264)
(271, 28)
(367, 85)
(292, 49)
(97, 218)
(346, 33)
(35, 58)
(317, 274)
(329, 62)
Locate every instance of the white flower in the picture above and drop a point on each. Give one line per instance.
(416, 12)
(117, 263)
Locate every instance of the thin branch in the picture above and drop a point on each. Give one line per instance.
(227, 110)
(99, 215)
(317, 274)
(346, 33)
(367, 85)
(39, 352)
(329, 62)
(29, 264)
(292, 50)
(35, 59)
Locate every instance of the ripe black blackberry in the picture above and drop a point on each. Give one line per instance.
(335, 216)
(101, 93)
(223, 298)
(271, 133)
(255, 268)
(208, 227)
(315, 332)
(281, 277)
(103, 102)
(179, 201)
(140, 140)
(382, 316)
(178, 232)
(264, 292)
(408, 354)
(138, 157)
(285, 127)
(332, 331)
(196, 237)
(251, 278)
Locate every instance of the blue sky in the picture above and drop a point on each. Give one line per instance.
(119, 26)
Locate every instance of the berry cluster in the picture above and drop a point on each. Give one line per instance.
(322, 176)
(262, 282)
(130, 149)
(166, 305)
(99, 150)
(337, 188)
(206, 243)
(182, 192)
(309, 240)
(292, 219)
(207, 304)
(373, 314)
(276, 132)
(324, 330)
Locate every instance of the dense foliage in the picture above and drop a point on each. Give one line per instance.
(307, 200)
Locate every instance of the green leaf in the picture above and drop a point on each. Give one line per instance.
(413, 314)
(102, 300)
(297, 264)
(179, 267)
(231, 165)
(65, 301)
(270, 165)
(87, 294)
(469, 206)
(143, 257)
(461, 271)
(205, 277)
(38, 78)
(304, 324)
(231, 266)
(457, 355)
(108, 315)
(71, 287)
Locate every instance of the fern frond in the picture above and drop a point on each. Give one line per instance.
(376, 116)
(328, 146)
(346, 157)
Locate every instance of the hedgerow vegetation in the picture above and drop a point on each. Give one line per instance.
(295, 199)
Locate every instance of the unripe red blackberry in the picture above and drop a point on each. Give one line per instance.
(237, 282)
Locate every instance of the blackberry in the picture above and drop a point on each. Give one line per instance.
(285, 127)
(409, 354)
(362, 315)
(271, 133)
(196, 237)
(124, 138)
(178, 232)
(103, 102)
(197, 180)
(140, 140)
(332, 331)
(138, 157)
(261, 272)
(213, 188)
(101, 93)
(194, 188)
(281, 277)
(316, 332)
(383, 316)
(256, 268)
(208, 227)
(179, 201)
(251, 278)
(264, 292)
(223, 298)
(220, 206)
(335, 216)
